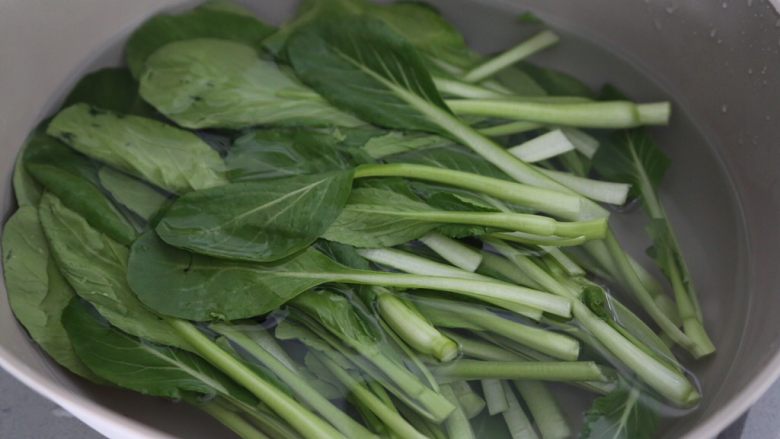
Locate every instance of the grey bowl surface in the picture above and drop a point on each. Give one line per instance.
(717, 61)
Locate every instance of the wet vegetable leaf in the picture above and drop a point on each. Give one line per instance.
(619, 415)
(171, 158)
(222, 84)
(145, 367)
(73, 179)
(259, 221)
(177, 283)
(37, 292)
(204, 22)
(96, 267)
(112, 89)
(136, 195)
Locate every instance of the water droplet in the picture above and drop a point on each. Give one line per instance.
(713, 32)
(656, 24)
(777, 23)
(724, 108)
(768, 117)
(749, 3)
(671, 8)
(750, 71)
(763, 70)
(725, 5)
(720, 41)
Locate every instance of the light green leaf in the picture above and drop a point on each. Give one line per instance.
(261, 221)
(208, 21)
(207, 83)
(134, 194)
(37, 292)
(138, 365)
(340, 58)
(73, 179)
(96, 268)
(171, 158)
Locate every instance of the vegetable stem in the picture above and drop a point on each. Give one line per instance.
(304, 390)
(597, 190)
(414, 329)
(391, 418)
(523, 50)
(544, 409)
(494, 396)
(542, 147)
(453, 251)
(473, 288)
(595, 114)
(233, 421)
(544, 200)
(299, 417)
(522, 370)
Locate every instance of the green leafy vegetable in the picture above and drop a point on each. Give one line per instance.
(113, 89)
(620, 415)
(141, 198)
(196, 287)
(556, 83)
(173, 159)
(354, 74)
(203, 22)
(259, 221)
(73, 179)
(37, 292)
(96, 267)
(265, 154)
(207, 83)
(138, 365)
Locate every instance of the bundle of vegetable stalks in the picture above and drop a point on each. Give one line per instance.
(353, 226)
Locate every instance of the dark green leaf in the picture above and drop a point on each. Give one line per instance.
(73, 179)
(37, 292)
(632, 157)
(204, 22)
(208, 83)
(620, 415)
(112, 89)
(26, 190)
(520, 82)
(554, 82)
(362, 65)
(259, 221)
(267, 154)
(96, 267)
(145, 367)
(529, 18)
(397, 142)
(344, 254)
(171, 158)
(336, 313)
(371, 219)
(195, 287)
(596, 300)
(136, 195)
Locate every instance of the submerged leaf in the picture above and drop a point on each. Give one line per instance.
(171, 158)
(267, 154)
(362, 65)
(632, 157)
(208, 83)
(369, 219)
(96, 268)
(554, 82)
(177, 283)
(145, 367)
(136, 195)
(37, 292)
(73, 179)
(620, 415)
(112, 89)
(203, 22)
(261, 221)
